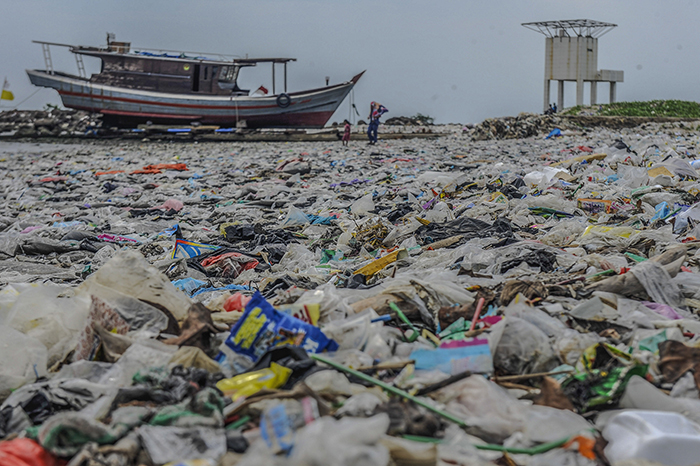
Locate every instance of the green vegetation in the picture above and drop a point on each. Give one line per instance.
(653, 108)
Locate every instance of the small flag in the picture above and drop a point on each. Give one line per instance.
(262, 89)
(6, 95)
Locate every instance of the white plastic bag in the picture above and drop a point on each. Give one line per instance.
(22, 360)
(363, 206)
(129, 273)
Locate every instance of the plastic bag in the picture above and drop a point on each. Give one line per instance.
(236, 302)
(493, 412)
(42, 312)
(524, 349)
(632, 177)
(658, 284)
(22, 359)
(543, 178)
(25, 452)
(247, 384)
(347, 442)
(353, 332)
(165, 444)
(295, 217)
(139, 356)
(363, 206)
(130, 274)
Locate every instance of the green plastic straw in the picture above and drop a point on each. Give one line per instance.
(390, 389)
(539, 449)
(405, 320)
(601, 274)
(235, 425)
(543, 448)
(635, 257)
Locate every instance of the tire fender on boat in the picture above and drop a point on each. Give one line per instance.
(283, 100)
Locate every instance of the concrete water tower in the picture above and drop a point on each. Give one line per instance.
(571, 54)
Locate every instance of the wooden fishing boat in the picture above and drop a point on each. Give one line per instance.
(139, 86)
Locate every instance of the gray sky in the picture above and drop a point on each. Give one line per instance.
(458, 61)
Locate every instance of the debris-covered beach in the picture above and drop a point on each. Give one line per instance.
(494, 294)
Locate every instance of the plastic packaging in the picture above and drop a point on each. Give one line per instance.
(455, 358)
(236, 302)
(278, 424)
(262, 327)
(247, 384)
(667, 438)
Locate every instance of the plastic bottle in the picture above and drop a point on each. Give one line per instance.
(668, 438)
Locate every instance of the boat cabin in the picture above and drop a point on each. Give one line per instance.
(179, 73)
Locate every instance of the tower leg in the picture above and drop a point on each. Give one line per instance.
(594, 92)
(579, 92)
(560, 96)
(613, 89)
(546, 94)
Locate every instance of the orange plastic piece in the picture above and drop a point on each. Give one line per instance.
(110, 172)
(585, 446)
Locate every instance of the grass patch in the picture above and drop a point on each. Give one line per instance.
(653, 108)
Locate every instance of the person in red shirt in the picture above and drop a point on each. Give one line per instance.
(346, 133)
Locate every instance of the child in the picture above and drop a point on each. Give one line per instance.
(346, 133)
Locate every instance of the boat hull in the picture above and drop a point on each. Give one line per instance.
(311, 109)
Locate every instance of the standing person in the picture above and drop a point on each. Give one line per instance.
(346, 133)
(554, 108)
(375, 113)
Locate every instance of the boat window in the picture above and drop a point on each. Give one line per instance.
(227, 74)
(206, 73)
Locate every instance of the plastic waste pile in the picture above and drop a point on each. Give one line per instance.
(527, 301)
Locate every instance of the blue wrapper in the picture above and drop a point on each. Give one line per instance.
(263, 327)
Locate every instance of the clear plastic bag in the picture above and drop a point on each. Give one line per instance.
(658, 284)
(524, 349)
(344, 442)
(130, 274)
(295, 217)
(22, 359)
(45, 313)
(363, 206)
(165, 444)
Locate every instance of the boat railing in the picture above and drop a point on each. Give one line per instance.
(48, 62)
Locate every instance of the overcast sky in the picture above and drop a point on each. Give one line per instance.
(458, 61)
